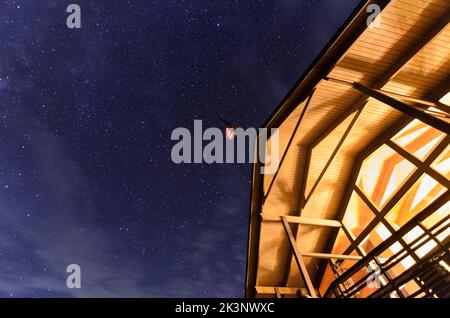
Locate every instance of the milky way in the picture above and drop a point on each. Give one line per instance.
(85, 122)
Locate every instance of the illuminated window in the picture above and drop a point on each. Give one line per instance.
(441, 231)
(443, 235)
(342, 243)
(418, 139)
(442, 163)
(437, 216)
(412, 235)
(426, 248)
(418, 197)
(409, 288)
(357, 216)
(445, 99)
(382, 174)
(378, 235)
(445, 265)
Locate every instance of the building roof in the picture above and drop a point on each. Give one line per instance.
(406, 54)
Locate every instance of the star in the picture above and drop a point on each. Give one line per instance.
(86, 124)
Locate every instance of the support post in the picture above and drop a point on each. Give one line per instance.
(299, 259)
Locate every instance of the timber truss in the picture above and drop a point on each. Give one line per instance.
(433, 113)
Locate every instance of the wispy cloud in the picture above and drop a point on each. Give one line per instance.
(37, 243)
(61, 229)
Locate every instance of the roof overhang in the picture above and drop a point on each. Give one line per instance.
(407, 55)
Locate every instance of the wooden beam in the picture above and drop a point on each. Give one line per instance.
(270, 290)
(424, 103)
(442, 107)
(300, 204)
(289, 143)
(299, 259)
(300, 220)
(404, 108)
(335, 151)
(419, 163)
(331, 256)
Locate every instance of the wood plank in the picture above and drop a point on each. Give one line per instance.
(331, 256)
(301, 220)
(299, 259)
(282, 290)
(425, 117)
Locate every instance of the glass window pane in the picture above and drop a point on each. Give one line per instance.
(410, 288)
(445, 266)
(395, 249)
(418, 197)
(442, 230)
(342, 243)
(412, 235)
(400, 253)
(357, 216)
(442, 163)
(445, 99)
(437, 216)
(382, 174)
(379, 234)
(426, 248)
(443, 235)
(398, 269)
(418, 138)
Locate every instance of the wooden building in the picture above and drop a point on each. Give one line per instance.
(360, 204)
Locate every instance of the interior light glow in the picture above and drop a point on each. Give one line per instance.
(445, 99)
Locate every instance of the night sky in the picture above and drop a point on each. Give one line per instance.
(86, 117)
